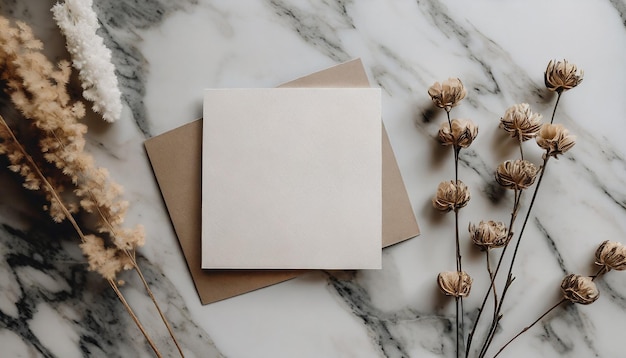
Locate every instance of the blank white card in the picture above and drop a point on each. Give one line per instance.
(291, 178)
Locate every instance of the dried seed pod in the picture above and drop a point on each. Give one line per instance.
(447, 94)
(516, 174)
(455, 283)
(611, 255)
(521, 122)
(562, 76)
(555, 139)
(451, 196)
(579, 289)
(459, 132)
(489, 234)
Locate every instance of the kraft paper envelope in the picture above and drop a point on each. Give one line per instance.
(291, 178)
(176, 160)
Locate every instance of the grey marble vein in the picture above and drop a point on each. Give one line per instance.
(121, 21)
(48, 274)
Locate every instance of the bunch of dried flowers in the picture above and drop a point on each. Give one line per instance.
(517, 175)
(48, 153)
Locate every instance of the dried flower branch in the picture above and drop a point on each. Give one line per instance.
(453, 195)
(90, 56)
(518, 175)
(39, 92)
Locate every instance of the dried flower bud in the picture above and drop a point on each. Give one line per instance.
(579, 289)
(459, 132)
(455, 283)
(611, 255)
(561, 76)
(555, 139)
(521, 122)
(448, 94)
(489, 234)
(451, 196)
(516, 174)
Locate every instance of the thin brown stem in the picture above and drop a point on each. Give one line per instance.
(530, 326)
(75, 225)
(492, 329)
(134, 317)
(516, 203)
(558, 98)
(131, 255)
(492, 278)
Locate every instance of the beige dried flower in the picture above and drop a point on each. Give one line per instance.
(516, 174)
(562, 76)
(451, 196)
(521, 122)
(459, 132)
(455, 283)
(611, 255)
(555, 139)
(579, 289)
(447, 94)
(489, 234)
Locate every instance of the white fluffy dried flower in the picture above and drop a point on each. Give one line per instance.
(90, 56)
(555, 139)
(459, 132)
(579, 289)
(521, 122)
(455, 283)
(611, 255)
(447, 94)
(562, 76)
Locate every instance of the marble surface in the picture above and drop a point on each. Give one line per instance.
(167, 51)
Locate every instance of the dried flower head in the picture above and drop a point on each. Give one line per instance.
(611, 255)
(447, 94)
(516, 174)
(451, 196)
(489, 234)
(579, 289)
(455, 283)
(561, 76)
(555, 139)
(459, 132)
(521, 122)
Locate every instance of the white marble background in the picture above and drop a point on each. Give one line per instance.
(167, 51)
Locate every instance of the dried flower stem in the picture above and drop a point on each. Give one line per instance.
(48, 187)
(510, 278)
(131, 255)
(531, 325)
(558, 98)
(601, 271)
(459, 267)
(516, 204)
(134, 317)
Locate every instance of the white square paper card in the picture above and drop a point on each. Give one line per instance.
(291, 178)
